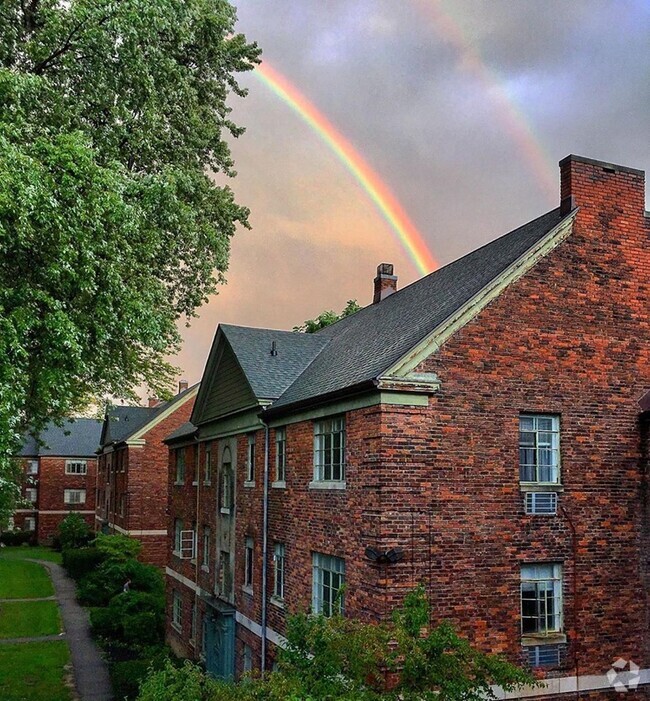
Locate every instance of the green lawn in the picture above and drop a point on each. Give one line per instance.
(24, 552)
(34, 672)
(29, 619)
(24, 580)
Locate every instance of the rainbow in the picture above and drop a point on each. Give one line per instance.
(511, 116)
(390, 209)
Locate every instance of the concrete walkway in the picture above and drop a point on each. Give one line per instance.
(90, 671)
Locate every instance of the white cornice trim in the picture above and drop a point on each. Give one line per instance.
(569, 685)
(432, 343)
(123, 531)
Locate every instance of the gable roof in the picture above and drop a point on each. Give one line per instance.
(75, 438)
(249, 367)
(365, 345)
(123, 422)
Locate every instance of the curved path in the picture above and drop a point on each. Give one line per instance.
(89, 668)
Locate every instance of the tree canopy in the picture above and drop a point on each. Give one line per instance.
(113, 124)
(327, 318)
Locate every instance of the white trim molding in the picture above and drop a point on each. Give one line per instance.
(51, 512)
(123, 531)
(568, 685)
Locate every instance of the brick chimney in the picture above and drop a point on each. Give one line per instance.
(153, 401)
(385, 282)
(600, 186)
(182, 386)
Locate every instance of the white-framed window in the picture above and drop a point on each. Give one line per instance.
(247, 659)
(539, 448)
(31, 494)
(280, 454)
(248, 563)
(250, 458)
(76, 467)
(207, 467)
(193, 624)
(74, 496)
(178, 529)
(29, 524)
(180, 465)
(197, 454)
(328, 576)
(177, 610)
(541, 599)
(206, 547)
(227, 482)
(329, 450)
(32, 467)
(278, 571)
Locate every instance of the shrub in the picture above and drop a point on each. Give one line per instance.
(127, 675)
(74, 532)
(134, 618)
(80, 562)
(18, 537)
(100, 586)
(119, 548)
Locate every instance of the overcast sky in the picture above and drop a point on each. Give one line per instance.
(462, 108)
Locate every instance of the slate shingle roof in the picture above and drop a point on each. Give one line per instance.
(75, 438)
(185, 430)
(122, 422)
(363, 346)
(270, 375)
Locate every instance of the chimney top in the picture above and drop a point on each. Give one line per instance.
(153, 401)
(385, 282)
(182, 386)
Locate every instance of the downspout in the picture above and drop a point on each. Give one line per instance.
(265, 539)
(576, 600)
(197, 473)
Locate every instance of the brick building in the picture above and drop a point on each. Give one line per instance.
(132, 471)
(480, 432)
(60, 471)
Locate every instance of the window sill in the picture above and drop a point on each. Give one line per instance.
(177, 628)
(249, 483)
(205, 568)
(179, 484)
(327, 484)
(195, 484)
(192, 643)
(540, 487)
(225, 510)
(276, 601)
(247, 590)
(279, 484)
(533, 639)
(207, 483)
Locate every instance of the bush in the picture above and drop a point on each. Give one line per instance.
(81, 562)
(18, 537)
(126, 675)
(119, 548)
(100, 586)
(134, 618)
(74, 532)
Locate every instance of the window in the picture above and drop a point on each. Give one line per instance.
(328, 578)
(250, 459)
(207, 475)
(329, 450)
(180, 465)
(195, 480)
(541, 599)
(226, 497)
(31, 494)
(278, 571)
(539, 449)
(74, 496)
(29, 523)
(76, 467)
(122, 503)
(206, 548)
(193, 624)
(177, 610)
(280, 454)
(248, 564)
(225, 575)
(191, 542)
(178, 529)
(32, 467)
(247, 659)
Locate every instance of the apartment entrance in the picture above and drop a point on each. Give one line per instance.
(220, 642)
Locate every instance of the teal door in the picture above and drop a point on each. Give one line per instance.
(220, 645)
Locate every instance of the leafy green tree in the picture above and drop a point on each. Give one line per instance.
(118, 548)
(10, 497)
(115, 219)
(327, 318)
(73, 532)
